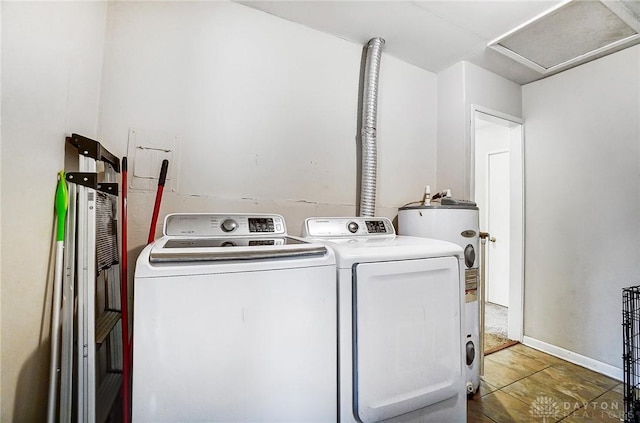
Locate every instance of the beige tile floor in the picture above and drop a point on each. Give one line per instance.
(521, 384)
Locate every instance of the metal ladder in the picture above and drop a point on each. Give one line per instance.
(91, 289)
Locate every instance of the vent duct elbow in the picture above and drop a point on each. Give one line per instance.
(369, 127)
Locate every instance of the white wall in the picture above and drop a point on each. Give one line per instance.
(451, 134)
(459, 87)
(582, 229)
(51, 64)
(265, 111)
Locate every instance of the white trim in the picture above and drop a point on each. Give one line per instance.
(575, 358)
(517, 235)
(529, 22)
(470, 154)
(583, 58)
(517, 231)
(494, 152)
(615, 8)
(494, 113)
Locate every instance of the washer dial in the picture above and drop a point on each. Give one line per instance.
(229, 225)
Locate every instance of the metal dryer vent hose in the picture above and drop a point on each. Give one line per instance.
(369, 125)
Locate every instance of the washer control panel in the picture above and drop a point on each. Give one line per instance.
(347, 227)
(222, 225)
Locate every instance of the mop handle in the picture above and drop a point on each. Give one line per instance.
(156, 207)
(61, 204)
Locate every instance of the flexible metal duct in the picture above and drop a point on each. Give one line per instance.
(369, 125)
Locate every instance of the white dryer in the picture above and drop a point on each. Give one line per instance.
(234, 321)
(400, 322)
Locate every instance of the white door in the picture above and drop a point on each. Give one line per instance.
(407, 323)
(498, 228)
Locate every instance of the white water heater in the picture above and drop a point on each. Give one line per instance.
(458, 222)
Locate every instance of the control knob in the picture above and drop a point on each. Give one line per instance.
(229, 225)
(353, 227)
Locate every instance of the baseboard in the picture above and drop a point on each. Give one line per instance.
(575, 358)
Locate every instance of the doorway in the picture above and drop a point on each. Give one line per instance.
(496, 219)
(497, 188)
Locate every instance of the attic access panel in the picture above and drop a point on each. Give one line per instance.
(572, 33)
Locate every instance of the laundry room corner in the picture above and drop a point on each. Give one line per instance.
(267, 122)
(50, 87)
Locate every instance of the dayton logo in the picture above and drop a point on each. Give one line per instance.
(544, 408)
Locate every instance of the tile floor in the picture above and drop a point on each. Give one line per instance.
(521, 384)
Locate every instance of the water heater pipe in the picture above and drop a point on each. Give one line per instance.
(481, 294)
(369, 127)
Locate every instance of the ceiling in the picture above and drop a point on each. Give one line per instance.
(432, 35)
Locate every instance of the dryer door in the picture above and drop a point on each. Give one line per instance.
(407, 336)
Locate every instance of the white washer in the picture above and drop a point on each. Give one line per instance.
(234, 321)
(400, 322)
(454, 221)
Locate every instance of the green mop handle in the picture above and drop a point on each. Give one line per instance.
(62, 202)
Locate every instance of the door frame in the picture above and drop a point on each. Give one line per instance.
(515, 328)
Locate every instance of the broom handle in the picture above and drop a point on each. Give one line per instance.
(156, 206)
(124, 304)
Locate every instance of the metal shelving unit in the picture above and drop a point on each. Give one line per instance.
(91, 377)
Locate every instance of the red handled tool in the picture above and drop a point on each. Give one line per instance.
(124, 304)
(156, 207)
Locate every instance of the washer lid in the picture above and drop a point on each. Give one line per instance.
(189, 250)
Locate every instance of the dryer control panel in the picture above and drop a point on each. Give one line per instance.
(223, 225)
(348, 227)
